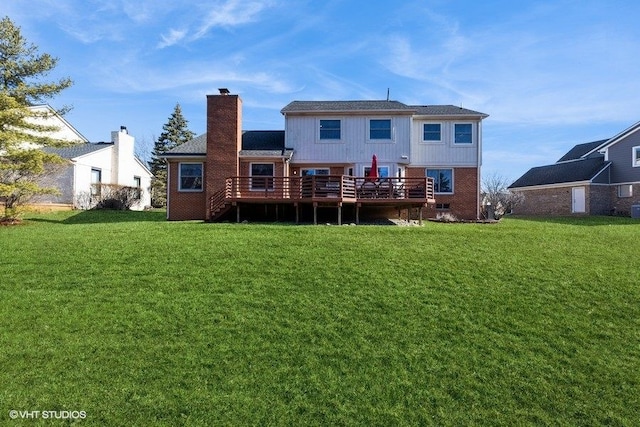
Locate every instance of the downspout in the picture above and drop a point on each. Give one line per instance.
(478, 191)
(168, 185)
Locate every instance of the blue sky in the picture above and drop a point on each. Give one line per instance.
(551, 74)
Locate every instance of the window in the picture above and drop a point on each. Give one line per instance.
(329, 129)
(96, 180)
(380, 129)
(442, 206)
(432, 132)
(636, 157)
(463, 134)
(262, 176)
(442, 179)
(625, 190)
(309, 172)
(190, 178)
(383, 172)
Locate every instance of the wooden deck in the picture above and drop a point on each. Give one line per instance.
(322, 190)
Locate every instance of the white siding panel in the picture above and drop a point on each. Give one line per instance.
(302, 134)
(445, 152)
(98, 159)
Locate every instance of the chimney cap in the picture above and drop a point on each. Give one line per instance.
(123, 129)
(224, 91)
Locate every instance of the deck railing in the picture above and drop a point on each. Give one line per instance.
(329, 187)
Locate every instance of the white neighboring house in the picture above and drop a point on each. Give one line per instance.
(111, 162)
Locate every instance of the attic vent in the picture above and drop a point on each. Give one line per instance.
(224, 91)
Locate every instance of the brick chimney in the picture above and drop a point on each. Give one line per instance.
(224, 140)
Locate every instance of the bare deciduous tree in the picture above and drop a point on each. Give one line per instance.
(497, 199)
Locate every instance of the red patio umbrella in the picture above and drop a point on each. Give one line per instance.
(373, 173)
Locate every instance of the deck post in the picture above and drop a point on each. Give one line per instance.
(339, 214)
(297, 212)
(315, 213)
(357, 213)
(238, 213)
(420, 215)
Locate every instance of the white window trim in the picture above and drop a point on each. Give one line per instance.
(464, 144)
(635, 160)
(424, 141)
(190, 190)
(330, 141)
(453, 184)
(263, 176)
(381, 141)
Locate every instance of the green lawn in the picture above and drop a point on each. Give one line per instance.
(139, 321)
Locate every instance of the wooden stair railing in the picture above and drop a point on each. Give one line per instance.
(218, 204)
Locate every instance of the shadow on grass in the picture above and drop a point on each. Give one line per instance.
(587, 221)
(101, 216)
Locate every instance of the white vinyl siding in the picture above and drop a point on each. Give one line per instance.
(445, 152)
(303, 136)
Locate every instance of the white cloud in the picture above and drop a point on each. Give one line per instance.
(229, 14)
(172, 38)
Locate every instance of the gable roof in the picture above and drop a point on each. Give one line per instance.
(346, 107)
(254, 142)
(77, 150)
(581, 150)
(574, 171)
(53, 116)
(617, 138)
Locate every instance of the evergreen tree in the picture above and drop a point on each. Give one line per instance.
(174, 133)
(22, 70)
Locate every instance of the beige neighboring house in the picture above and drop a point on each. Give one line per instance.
(89, 164)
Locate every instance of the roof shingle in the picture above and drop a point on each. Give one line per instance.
(77, 150)
(575, 171)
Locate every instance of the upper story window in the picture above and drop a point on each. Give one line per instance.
(432, 132)
(463, 133)
(636, 157)
(380, 129)
(330, 129)
(442, 180)
(190, 178)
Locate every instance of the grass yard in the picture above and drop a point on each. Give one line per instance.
(138, 321)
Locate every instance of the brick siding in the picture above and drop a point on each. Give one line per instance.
(184, 205)
(224, 141)
(463, 203)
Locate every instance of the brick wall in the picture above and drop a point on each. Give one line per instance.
(184, 205)
(599, 199)
(622, 205)
(548, 201)
(463, 203)
(224, 140)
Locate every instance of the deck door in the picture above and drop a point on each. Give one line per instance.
(578, 200)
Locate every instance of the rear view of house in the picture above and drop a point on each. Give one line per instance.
(367, 157)
(596, 178)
